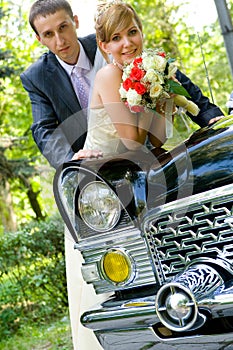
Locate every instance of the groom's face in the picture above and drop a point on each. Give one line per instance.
(58, 33)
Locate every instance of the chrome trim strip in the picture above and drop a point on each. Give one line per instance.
(133, 313)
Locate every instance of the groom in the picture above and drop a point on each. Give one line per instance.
(59, 124)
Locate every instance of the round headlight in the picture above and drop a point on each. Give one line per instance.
(99, 207)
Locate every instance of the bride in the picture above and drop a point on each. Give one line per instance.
(112, 128)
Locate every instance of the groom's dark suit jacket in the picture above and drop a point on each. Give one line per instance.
(59, 126)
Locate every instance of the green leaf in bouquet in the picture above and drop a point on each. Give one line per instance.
(176, 88)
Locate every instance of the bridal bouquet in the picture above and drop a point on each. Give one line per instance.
(149, 78)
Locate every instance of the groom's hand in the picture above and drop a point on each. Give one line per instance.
(213, 120)
(87, 153)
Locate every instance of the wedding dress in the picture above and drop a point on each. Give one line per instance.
(102, 134)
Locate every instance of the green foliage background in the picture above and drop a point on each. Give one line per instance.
(32, 275)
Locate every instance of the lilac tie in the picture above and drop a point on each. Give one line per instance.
(81, 85)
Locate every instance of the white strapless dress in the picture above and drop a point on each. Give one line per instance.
(102, 134)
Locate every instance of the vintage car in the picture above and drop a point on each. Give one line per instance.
(156, 230)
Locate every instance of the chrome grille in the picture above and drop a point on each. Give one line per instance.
(190, 228)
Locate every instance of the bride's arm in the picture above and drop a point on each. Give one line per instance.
(131, 128)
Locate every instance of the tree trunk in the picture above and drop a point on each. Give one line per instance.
(7, 215)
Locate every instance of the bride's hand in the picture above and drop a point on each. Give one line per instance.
(87, 153)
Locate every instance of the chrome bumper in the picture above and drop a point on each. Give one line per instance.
(134, 325)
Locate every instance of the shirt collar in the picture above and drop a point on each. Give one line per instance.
(83, 61)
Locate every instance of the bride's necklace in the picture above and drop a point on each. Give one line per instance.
(120, 66)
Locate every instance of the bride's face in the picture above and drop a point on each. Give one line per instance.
(124, 45)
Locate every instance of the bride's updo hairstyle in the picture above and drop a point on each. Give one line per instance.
(112, 17)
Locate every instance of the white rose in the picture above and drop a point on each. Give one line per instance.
(153, 77)
(149, 76)
(160, 63)
(155, 90)
(154, 62)
(123, 92)
(148, 63)
(133, 97)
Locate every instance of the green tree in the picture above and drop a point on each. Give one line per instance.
(19, 157)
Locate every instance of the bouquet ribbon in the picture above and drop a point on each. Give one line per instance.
(168, 117)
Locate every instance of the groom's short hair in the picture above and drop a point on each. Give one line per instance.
(47, 7)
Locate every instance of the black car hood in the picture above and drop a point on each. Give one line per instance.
(145, 180)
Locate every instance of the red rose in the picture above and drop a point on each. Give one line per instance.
(127, 84)
(139, 88)
(162, 54)
(136, 109)
(137, 73)
(137, 61)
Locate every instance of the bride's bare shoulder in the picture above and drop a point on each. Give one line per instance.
(109, 70)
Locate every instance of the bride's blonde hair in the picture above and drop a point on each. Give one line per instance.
(113, 17)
